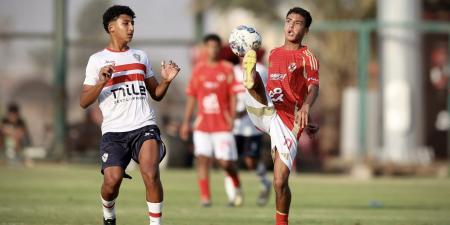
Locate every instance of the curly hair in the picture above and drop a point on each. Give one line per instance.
(115, 11)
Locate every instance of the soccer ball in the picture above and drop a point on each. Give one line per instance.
(244, 38)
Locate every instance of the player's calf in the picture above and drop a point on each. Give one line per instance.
(282, 191)
(110, 190)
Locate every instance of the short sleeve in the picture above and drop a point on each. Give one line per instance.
(149, 73)
(312, 69)
(92, 71)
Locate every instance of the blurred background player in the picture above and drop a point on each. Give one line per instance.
(283, 110)
(248, 137)
(120, 77)
(14, 133)
(213, 87)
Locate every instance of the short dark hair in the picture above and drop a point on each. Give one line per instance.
(302, 12)
(212, 37)
(115, 11)
(13, 108)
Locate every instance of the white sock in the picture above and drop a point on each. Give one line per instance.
(109, 209)
(155, 213)
(230, 189)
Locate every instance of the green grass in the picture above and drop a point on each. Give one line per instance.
(49, 194)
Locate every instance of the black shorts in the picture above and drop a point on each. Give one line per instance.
(118, 148)
(249, 146)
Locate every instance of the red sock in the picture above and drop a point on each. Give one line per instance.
(236, 181)
(281, 218)
(203, 184)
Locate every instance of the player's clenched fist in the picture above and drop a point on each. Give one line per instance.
(106, 73)
(169, 71)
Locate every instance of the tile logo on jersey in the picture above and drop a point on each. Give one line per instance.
(210, 85)
(137, 57)
(104, 157)
(277, 76)
(292, 67)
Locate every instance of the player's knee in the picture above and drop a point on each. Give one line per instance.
(151, 176)
(279, 184)
(112, 179)
(228, 165)
(111, 185)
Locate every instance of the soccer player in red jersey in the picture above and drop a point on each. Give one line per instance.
(122, 80)
(213, 87)
(282, 108)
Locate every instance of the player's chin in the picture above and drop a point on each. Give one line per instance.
(291, 38)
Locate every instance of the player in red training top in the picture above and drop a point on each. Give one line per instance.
(213, 87)
(283, 111)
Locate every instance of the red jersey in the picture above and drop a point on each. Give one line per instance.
(212, 87)
(290, 74)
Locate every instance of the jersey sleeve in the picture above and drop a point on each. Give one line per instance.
(92, 71)
(149, 71)
(312, 69)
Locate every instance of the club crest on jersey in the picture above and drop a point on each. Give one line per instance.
(221, 77)
(137, 57)
(104, 157)
(292, 67)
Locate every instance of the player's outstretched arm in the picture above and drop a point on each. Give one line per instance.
(188, 111)
(313, 92)
(168, 73)
(90, 93)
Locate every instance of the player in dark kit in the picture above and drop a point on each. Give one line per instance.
(282, 108)
(121, 78)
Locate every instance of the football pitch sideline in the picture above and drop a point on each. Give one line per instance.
(69, 194)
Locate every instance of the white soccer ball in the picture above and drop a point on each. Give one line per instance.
(244, 38)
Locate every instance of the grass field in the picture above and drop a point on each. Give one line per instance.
(49, 194)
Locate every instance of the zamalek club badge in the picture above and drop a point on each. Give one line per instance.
(292, 67)
(105, 157)
(137, 57)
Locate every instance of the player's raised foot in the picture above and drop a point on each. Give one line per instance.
(109, 221)
(264, 195)
(249, 67)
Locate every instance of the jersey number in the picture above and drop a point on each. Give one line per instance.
(276, 95)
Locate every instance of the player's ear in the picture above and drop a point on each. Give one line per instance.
(111, 27)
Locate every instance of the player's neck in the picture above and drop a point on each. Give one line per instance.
(118, 46)
(212, 62)
(292, 45)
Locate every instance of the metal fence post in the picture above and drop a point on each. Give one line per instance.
(363, 58)
(59, 79)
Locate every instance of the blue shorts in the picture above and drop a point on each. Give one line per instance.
(118, 148)
(249, 146)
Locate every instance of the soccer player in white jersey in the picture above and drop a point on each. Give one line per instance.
(248, 137)
(121, 78)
